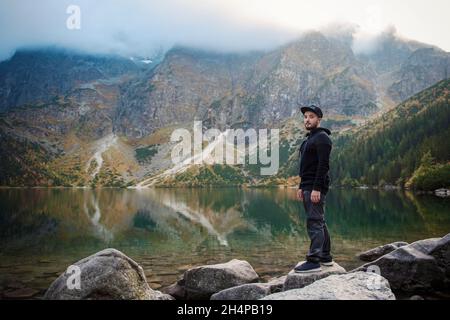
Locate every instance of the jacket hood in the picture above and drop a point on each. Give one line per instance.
(318, 130)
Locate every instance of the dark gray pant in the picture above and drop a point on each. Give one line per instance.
(317, 229)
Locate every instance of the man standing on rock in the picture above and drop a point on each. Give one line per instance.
(315, 180)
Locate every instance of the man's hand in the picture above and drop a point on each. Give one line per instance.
(315, 196)
(300, 194)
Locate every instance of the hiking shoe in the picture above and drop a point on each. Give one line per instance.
(327, 262)
(308, 267)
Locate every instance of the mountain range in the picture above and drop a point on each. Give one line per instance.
(73, 119)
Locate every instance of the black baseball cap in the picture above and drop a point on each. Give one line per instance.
(314, 109)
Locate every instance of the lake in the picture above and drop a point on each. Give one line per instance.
(167, 231)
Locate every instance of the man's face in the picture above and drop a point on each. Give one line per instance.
(311, 120)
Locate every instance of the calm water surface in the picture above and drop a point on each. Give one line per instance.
(167, 231)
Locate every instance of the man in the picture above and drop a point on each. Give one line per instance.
(314, 167)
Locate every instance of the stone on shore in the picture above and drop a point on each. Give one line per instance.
(250, 291)
(203, 281)
(108, 274)
(350, 286)
(373, 254)
(299, 280)
(276, 284)
(442, 192)
(176, 290)
(420, 267)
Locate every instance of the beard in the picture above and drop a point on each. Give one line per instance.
(310, 126)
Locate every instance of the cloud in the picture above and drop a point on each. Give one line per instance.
(141, 27)
(130, 27)
(367, 43)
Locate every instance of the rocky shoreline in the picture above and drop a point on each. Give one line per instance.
(409, 271)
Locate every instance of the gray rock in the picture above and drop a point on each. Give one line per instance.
(416, 297)
(203, 281)
(443, 193)
(422, 266)
(251, 291)
(351, 286)
(176, 290)
(276, 284)
(299, 280)
(373, 254)
(108, 274)
(158, 295)
(441, 252)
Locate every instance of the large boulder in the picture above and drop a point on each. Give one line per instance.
(420, 267)
(108, 274)
(351, 286)
(203, 281)
(299, 280)
(373, 254)
(250, 291)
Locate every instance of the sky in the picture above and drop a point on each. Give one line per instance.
(138, 27)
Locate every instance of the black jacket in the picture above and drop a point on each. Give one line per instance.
(314, 157)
